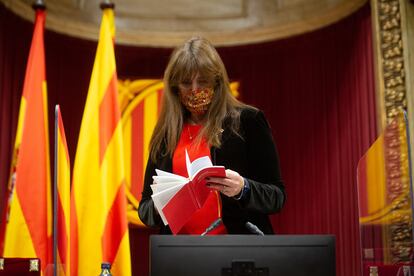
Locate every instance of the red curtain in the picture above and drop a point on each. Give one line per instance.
(317, 90)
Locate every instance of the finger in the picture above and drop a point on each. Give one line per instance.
(220, 181)
(231, 173)
(218, 187)
(216, 179)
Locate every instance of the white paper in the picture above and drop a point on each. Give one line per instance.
(162, 198)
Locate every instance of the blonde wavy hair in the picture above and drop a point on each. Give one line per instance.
(195, 56)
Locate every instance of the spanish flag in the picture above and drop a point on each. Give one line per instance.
(99, 228)
(62, 198)
(29, 229)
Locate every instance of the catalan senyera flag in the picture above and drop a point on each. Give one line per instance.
(29, 228)
(99, 227)
(62, 204)
(384, 168)
(384, 181)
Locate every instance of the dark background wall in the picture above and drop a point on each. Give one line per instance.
(317, 91)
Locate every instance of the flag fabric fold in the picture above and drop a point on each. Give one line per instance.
(62, 198)
(99, 228)
(29, 227)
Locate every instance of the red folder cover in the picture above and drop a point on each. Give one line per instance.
(190, 198)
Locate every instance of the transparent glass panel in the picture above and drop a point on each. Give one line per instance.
(385, 203)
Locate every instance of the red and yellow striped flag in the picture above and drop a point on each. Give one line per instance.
(63, 199)
(384, 195)
(99, 227)
(29, 229)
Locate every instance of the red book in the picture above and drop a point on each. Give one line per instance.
(177, 198)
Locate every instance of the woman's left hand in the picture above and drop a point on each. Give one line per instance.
(231, 185)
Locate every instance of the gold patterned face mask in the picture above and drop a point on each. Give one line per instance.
(198, 100)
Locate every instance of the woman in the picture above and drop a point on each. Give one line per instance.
(200, 114)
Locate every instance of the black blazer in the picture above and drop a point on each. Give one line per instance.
(254, 156)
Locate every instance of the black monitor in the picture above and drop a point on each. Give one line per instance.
(242, 255)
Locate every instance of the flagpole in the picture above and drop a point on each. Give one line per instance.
(99, 173)
(55, 193)
(39, 5)
(107, 4)
(31, 196)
